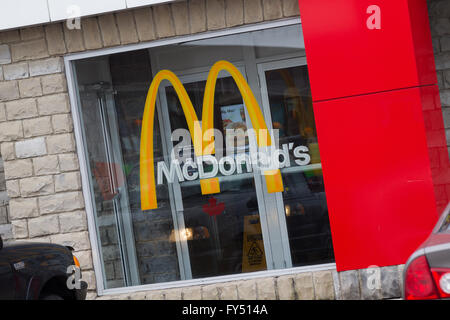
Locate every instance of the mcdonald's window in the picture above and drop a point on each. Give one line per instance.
(167, 205)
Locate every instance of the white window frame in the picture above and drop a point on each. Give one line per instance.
(85, 177)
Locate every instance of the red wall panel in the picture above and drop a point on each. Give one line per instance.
(347, 59)
(377, 176)
(379, 124)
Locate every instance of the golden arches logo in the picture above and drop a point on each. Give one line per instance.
(198, 132)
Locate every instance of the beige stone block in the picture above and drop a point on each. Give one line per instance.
(62, 123)
(21, 109)
(323, 285)
(31, 148)
(32, 33)
(7, 151)
(400, 270)
(61, 202)
(18, 169)
(11, 130)
(91, 33)
(192, 293)
(89, 277)
(2, 112)
(16, 71)
(54, 83)
(70, 181)
(13, 189)
(5, 54)
(247, 290)
(154, 295)
(304, 286)
(46, 165)
(228, 292)
(29, 50)
(37, 127)
(272, 9)
(234, 12)
(55, 38)
(43, 226)
(20, 208)
(9, 36)
(290, 8)
(73, 221)
(144, 24)
(29, 88)
(138, 296)
(74, 39)
(127, 27)
(77, 240)
(20, 229)
(285, 285)
(36, 186)
(173, 294)
(210, 292)
(108, 29)
(54, 104)
(266, 289)
(253, 11)
(61, 143)
(163, 21)
(6, 231)
(9, 90)
(197, 13)
(215, 11)
(46, 66)
(84, 257)
(45, 239)
(180, 14)
(91, 295)
(68, 162)
(1, 73)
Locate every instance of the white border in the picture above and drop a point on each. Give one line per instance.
(98, 269)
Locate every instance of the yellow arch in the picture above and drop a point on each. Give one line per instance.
(148, 186)
(253, 109)
(147, 170)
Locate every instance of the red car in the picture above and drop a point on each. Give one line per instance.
(427, 272)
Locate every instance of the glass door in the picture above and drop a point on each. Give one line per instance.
(302, 207)
(107, 167)
(224, 233)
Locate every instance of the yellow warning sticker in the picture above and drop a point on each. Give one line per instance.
(253, 255)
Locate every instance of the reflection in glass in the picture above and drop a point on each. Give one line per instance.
(304, 195)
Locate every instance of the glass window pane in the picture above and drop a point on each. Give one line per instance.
(193, 235)
(304, 194)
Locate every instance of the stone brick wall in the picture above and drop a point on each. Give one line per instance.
(37, 144)
(36, 131)
(439, 12)
(367, 284)
(5, 226)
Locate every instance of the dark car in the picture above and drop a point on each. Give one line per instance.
(39, 271)
(427, 272)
